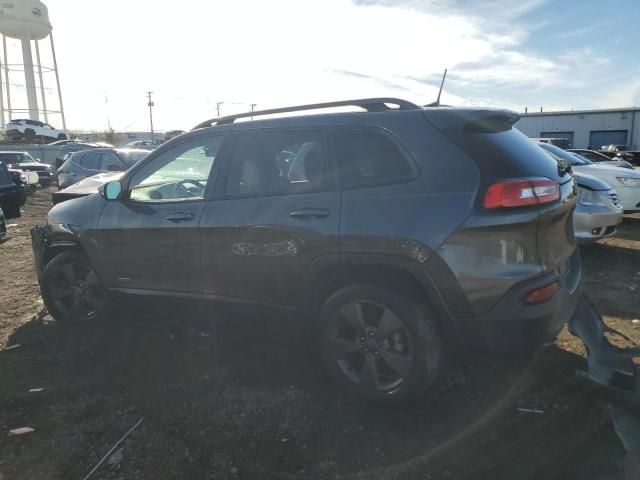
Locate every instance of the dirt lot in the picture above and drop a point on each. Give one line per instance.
(225, 395)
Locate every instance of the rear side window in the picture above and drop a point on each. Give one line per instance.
(368, 157)
(90, 161)
(279, 162)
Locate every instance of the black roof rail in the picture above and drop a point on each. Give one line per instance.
(369, 104)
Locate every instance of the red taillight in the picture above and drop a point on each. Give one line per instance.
(541, 294)
(521, 192)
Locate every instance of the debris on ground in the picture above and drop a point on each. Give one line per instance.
(108, 454)
(35, 390)
(116, 457)
(12, 347)
(529, 410)
(21, 430)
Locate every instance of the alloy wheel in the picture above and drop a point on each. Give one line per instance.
(76, 291)
(371, 346)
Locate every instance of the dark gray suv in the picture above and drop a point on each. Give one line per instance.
(400, 233)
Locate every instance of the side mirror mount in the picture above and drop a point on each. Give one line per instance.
(111, 190)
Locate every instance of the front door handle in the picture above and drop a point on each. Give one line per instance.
(309, 213)
(180, 217)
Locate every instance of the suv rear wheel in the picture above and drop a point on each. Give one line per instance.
(381, 346)
(71, 290)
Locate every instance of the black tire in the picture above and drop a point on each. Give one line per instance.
(11, 209)
(62, 136)
(395, 339)
(29, 134)
(71, 290)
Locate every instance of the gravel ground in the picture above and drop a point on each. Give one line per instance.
(230, 394)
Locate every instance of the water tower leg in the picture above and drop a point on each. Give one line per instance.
(30, 80)
(55, 69)
(6, 77)
(2, 121)
(42, 97)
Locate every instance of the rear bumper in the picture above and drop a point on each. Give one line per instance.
(515, 328)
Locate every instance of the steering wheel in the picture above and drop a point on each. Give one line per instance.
(180, 190)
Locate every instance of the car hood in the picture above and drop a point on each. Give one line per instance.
(590, 182)
(595, 169)
(90, 185)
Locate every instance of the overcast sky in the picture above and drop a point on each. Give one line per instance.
(558, 54)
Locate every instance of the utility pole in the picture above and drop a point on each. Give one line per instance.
(253, 105)
(218, 107)
(151, 105)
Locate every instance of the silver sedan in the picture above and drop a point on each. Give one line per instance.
(598, 212)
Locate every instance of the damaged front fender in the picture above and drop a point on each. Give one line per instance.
(608, 365)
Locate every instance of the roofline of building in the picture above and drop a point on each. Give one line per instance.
(581, 112)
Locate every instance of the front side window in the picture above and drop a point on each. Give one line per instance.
(181, 174)
(368, 157)
(279, 162)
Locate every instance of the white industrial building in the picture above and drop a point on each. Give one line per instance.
(585, 128)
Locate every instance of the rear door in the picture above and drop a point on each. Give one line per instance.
(150, 240)
(267, 223)
(89, 166)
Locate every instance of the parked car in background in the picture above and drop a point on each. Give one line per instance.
(25, 162)
(12, 194)
(83, 164)
(141, 144)
(561, 142)
(29, 180)
(623, 152)
(30, 130)
(3, 226)
(65, 150)
(599, 210)
(600, 158)
(87, 186)
(626, 182)
(396, 254)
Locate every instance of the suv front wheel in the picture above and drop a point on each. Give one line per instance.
(381, 346)
(71, 290)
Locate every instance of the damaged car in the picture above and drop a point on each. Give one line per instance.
(392, 264)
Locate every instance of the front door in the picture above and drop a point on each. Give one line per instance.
(150, 240)
(278, 211)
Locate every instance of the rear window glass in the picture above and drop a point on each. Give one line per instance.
(368, 157)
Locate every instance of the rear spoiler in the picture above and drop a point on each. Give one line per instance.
(456, 121)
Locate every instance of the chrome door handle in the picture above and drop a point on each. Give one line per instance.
(309, 213)
(180, 217)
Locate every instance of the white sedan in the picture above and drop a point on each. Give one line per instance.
(625, 181)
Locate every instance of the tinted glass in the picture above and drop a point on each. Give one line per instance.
(110, 161)
(90, 161)
(279, 162)
(131, 158)
(368, 157)
(10, 157)
(181, 174)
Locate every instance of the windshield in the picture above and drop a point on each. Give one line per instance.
(131, 158)
(573, 159)
(581, 159)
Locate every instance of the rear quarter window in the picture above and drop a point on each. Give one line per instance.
(368, 157)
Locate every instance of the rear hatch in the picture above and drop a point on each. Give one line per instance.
(501, 153)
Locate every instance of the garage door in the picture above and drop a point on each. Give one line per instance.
(567, 135)
(598, 138)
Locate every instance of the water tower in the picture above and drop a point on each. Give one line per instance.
(27, 21)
